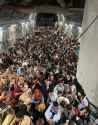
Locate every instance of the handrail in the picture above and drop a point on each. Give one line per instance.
(92, 104)
(88, 27)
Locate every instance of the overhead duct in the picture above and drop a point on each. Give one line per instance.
(25, 1)
(2, 2)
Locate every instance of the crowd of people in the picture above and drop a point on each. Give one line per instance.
(38, 84)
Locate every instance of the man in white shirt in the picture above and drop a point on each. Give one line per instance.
(53, 113)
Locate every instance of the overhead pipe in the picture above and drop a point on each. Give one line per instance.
(16, 7)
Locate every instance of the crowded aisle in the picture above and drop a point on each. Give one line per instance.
(38, 84)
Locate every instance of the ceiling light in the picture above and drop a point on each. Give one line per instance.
(70, 26)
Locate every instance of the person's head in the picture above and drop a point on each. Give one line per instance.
(39, 75)
(81, 96)
(26, 87)
(87, 111)
(12, 79)
(55, 106)
(61, 81)
(21, 82)
(51, 76)
(76, 103)
(20, 111)
(60, 92)
(1, 83)
(40, 121)
(29, 80)
(37, 93)
(51, 88)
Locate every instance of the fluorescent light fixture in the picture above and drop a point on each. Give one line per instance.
(70, 26)
(1, 28)
(1, 33)
(80, 29)
(23, 23)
